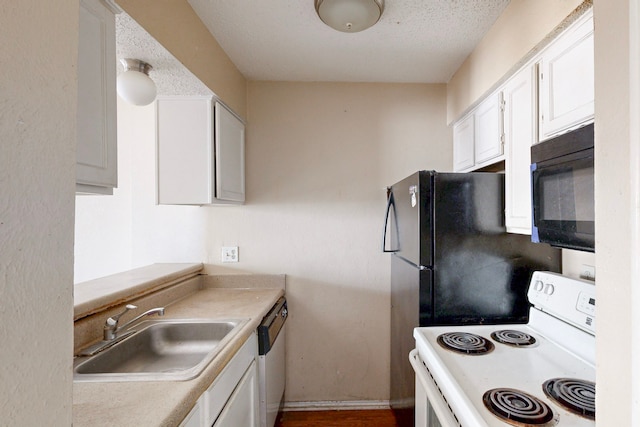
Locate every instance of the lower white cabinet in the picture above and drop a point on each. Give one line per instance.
(242, 407)
(232, 399)
(200, 152)
(195, 417)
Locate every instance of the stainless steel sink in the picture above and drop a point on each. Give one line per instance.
(160, 350)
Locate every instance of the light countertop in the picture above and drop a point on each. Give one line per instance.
(94, 295)
(166, 403)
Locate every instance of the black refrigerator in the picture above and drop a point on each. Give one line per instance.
(452, 263)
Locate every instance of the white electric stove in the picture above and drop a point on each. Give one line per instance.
(538, 374)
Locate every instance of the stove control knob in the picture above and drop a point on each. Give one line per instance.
(538, 285)
(549, 289)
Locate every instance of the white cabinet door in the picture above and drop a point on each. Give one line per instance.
(519, 130)
(200, 152)
(566, 80)
(477, 138)
(218, 396)
(184, 157)
(242, 406)
(96, 152)
(488, 129)
(195, 417)
(463, 144)
(229, 142)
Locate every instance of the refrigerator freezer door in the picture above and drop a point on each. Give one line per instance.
(412, 230)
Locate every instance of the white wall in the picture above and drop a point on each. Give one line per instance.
(573, 262)
(103, 243)
(128, 230)
(38, 101)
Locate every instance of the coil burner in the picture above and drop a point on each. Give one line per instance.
(518, 408)
(578, 396)
(465, 343)
(513, 338)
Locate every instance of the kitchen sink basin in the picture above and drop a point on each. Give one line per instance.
(159, 350)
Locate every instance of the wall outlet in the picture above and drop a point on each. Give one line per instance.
(230, 254)
(588, 272)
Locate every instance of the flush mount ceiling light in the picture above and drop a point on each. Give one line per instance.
(134, 84)
(349, 16)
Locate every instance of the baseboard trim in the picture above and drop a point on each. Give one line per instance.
(339, 405)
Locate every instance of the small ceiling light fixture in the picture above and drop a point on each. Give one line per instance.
(349, 16)
(134, 85)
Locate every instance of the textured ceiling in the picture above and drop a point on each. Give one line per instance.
(422, 41)
(170, 75)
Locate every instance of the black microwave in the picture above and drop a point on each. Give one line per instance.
(562, 189)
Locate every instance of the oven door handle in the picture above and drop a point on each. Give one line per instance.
(436, 400)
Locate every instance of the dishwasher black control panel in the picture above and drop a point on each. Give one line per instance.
(270, 326)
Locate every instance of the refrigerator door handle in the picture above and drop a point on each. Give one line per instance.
(390, 204)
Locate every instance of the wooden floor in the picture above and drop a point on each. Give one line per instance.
(367, 418)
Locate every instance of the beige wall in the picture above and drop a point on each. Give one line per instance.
(522, 25)
(38, 83)
(176, 26)
(319, 157)
(617, 72)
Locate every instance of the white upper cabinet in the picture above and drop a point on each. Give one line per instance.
(550, 95)
(519, 132)
(488, 124)
(229, 143)
(566, 83)
(477, 137)
(200, 149)
(463, 144)
(96, 152)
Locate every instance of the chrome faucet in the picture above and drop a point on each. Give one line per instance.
(111, 328)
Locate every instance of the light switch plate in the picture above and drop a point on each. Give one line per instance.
(230, 254)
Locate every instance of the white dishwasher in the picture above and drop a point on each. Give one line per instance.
(271, 361)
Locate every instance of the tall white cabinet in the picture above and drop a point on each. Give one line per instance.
(200, 152)
(96, 152)
(519, 132)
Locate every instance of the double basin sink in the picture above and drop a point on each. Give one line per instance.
(160, 350)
